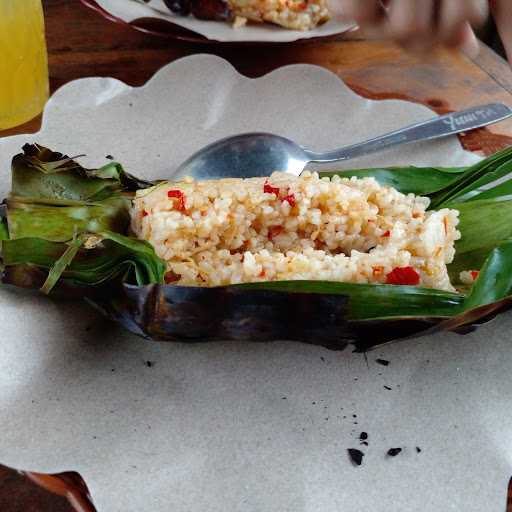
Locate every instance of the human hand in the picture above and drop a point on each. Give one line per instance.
(502, 12)
(421, 24)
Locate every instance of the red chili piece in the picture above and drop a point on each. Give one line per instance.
(387, 234)
(474, 274)
(177, 194)
(269, 189)
(291, 199)
(403, 276)
(274, 231)
(171, 277)
(145, 213)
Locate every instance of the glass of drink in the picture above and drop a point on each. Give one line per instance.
(23, 62)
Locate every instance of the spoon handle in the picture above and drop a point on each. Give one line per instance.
(436, 128)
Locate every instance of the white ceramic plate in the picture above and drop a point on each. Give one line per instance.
(245, 427)
(155, 18)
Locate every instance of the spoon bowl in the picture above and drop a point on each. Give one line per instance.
(247, 155)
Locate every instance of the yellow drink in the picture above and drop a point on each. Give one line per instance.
(23, 62)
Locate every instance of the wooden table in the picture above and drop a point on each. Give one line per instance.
(81, 43)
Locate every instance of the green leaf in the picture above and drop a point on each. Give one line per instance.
(4, 235)
(408, 180)
(4, 232)
(61, 264)
(115, 171)
(35, 251)
(40, 173)
(487, 186)
(60, 223)
(54, 207)
(110, 256)
(376, 301)
(151, 268)
(472, 260)
(45, 160)
(446, 187)
(483, 224)
(31, 178)
(469, 183)
(494, 281)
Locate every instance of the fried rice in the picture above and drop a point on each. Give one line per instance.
(231, 231)
(292, 14)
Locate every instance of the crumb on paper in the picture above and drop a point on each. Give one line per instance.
(393, 452)
(239, 22)
(356, 456)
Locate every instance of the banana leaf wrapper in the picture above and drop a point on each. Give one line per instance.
(65, 230)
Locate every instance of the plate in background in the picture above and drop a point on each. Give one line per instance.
(155, 18)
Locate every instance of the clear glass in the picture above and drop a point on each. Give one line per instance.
(24, 85)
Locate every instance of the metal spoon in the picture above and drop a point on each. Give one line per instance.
(260, 154)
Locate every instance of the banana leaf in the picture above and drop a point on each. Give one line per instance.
(58, 224)
(43, 174)
(66, 231)
(476, 180)
(485, 225)
(4, 232)
(113, 255)
(69, 222)
(420, 181)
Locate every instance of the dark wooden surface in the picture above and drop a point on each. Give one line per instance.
(81, 43)
(22, 491)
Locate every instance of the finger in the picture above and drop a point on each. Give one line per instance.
(412, 22)
(365, 12)
(502, 11)
(476, 12)
(450, 21)
(467, 41)
(453, 17)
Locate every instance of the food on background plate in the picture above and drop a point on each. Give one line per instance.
(291, 14)
(351, 230)
(367, 255)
